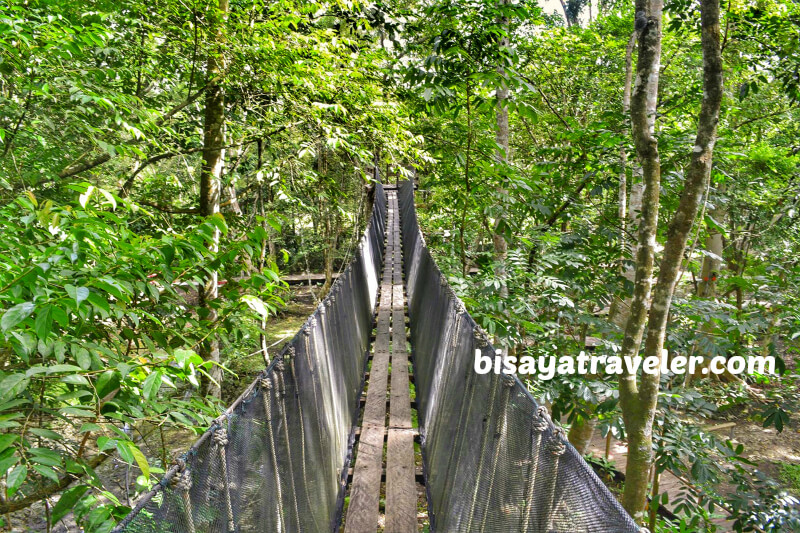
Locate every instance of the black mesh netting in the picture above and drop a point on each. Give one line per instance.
(277, 460)
(494, 462)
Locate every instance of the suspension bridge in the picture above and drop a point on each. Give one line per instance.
(325, 439)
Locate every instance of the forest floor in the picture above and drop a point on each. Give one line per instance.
(279, 330)
(765, 447)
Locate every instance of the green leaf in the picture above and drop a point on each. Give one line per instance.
(16, 314)
(59, 350)
(218, 220)
(54, 369)
(7, 463)
(141, 460)
(6, 440)
(257, 305)
(12, 385)
(46, 433)
(185, 357)
(36, 369)
(67, 501)
(24, 344)
(109, 198)
(47, 472)
(16, 478)
(107, 383)
(44, 322)
(75, 379)
(74, 411)
(151, 385)
(46, 456)
(125, 451)
(113, 287)
(79, 294)
(86, 196)
(168, 251)
(105, 443)
(98, 301)
(60, 316)
(84, 358)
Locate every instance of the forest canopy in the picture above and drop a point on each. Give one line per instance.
(599, 176)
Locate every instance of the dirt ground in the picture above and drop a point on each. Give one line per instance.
(763, 446)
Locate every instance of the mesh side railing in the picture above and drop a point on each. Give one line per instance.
(494, 461)
(277, 459)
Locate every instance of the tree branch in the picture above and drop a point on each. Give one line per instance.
(166, 209)
(756, 119)
(48, 490)
(77, 168)
(128, 185)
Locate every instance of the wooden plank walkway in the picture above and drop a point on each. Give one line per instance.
(363, 512)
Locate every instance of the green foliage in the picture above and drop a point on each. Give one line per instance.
(556, 203)
(95, 336)
(102, 248)
(790, 474)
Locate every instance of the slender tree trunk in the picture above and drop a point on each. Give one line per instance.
(618, 311)
(629, 217)
(566, 13)
(329, 216)
(331, 236)
(707, 287)
(503, 156)
(210, 179)
(467, 187)
(623, 156)
(712, 261)
(643, 109)
(639, 400)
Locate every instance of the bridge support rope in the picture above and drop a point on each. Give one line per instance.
(493, 460)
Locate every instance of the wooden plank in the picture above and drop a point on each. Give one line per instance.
(398, 301)
(400, 401)
(401, 491)
(401, 488)
(364, 510)
(298, 279)
(375, 408)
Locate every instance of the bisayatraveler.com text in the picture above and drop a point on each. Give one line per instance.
(547, 367)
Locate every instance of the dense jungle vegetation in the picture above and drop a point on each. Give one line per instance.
(620, 177)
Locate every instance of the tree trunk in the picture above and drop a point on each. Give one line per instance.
(329, 253)
(581, 433)
(712, 261)
(639, 401)
(566, 13)
(643, 110)
(628, 212)
(210, 179)
(503, 156)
